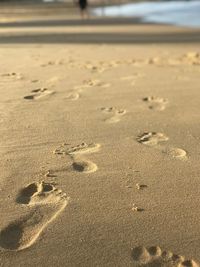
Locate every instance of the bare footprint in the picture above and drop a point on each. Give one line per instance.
(24, 232)
(116, 114)
(38, 193)
(156, 139)
(52, 63)
(192, 58)
(12, 75)
(131, 77)
(154, 257)
(86, 84)
(84, 166)
(79, 164)
(73, 96)
(91, 83)
(175, 152)
(83, 148)
(39, 93)
(94, 68)
(152, 138)
(155, 103)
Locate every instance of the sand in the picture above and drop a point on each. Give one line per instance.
(99, 146)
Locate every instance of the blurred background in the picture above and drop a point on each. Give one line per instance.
(55, 17)
(179, 12)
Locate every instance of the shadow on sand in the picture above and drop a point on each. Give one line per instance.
(102, 38)
(93, 37)
(73, 22)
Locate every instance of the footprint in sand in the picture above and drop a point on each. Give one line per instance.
(91, 83)
(155, 103)
(12, 75)
(116, 114)
(94, 68)
(39, 93)
(38, 193)
(85, 166)
(155, 139)
(154, 256)
(72, 95)
(152, 138)
(47, 203)
(192, 58)
(79, 164)
(132, 78)
(52, 63)
(83, 148)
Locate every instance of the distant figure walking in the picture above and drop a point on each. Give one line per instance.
(83, 4)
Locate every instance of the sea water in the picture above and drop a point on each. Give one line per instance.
(181, 13)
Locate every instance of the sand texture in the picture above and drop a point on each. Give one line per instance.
(99, 150)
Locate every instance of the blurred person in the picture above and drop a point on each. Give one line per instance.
(83, 4)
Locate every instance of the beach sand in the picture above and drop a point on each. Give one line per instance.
(99, 145)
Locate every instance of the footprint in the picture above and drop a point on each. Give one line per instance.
(156, 140)
(91, 83)
(52, 63)
(131, 77)
(83, 148)
(84, 166)
(192, 58)
(152, 138)
(39, 93)
(80, 165)
(155, 103)
(116, 114)
(175, 152)
(24, 232)
(73, 96)
(154, 256)
(94, 68)
(38, 193)
(12, 75)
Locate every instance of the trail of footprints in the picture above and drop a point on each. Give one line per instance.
(47, 202)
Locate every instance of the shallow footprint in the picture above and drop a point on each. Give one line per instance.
(155, 103)
(155, 257)
(84, 166)
(155, 139)
(83, 148)
(12, 75)
(39, 93)
(72, 96)
(174, 152)
(24, 232)
(116, 114)
(152, 138)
